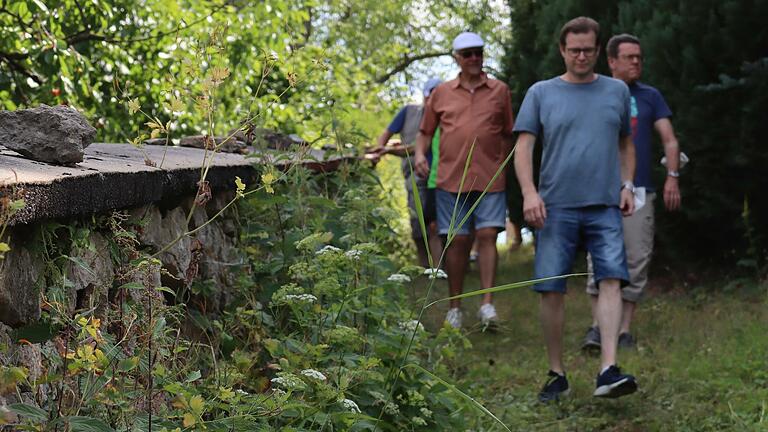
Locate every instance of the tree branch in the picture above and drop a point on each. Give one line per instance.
(406, 61)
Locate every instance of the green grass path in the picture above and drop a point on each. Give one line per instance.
(701, 360)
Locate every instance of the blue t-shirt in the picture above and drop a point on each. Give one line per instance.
(579, 126)
(398, 122)
(648, 106)
(396, 126)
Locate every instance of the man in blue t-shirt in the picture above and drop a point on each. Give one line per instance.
(649, 111)
(406, 123)
(585, 185)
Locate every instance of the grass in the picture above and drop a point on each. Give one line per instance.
(701, 360)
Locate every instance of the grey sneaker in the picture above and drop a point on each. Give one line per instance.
(591, 339)
(453, 317)
(626, 340)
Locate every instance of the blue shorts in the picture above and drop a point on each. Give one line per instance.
(600, 230)
(491, 211)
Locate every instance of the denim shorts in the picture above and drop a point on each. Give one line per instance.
(491, 211)
(598, 228)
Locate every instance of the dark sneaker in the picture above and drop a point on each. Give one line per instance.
(626, 340)
(591, 340)
(612, 383)
(555, 388)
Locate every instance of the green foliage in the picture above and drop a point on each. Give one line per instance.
(313, 336)
(708, 60)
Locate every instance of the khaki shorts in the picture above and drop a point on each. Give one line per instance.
(638, 243)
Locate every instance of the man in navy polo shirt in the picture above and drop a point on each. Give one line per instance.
(649, 111)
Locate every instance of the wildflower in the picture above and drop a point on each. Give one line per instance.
(288, 381)
(300, 298)
(391, 408)
(399, 277)
(435, 273)
(267, 180)
(242, 392)
(311, 373)
(327, 249)
(426, 412)
(418, 421)
(353, 254)
(350, 405)
(410, 325)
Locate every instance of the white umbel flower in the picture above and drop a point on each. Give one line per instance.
(399, 278)
(328, 249)
(311, 373)
(435, 273)
(350, 405)
(353, 254)
(300, 298)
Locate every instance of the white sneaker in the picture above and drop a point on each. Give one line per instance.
(487, 314)
(453, 317)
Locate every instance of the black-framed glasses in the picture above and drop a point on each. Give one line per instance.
(575, 52)
(471, 53)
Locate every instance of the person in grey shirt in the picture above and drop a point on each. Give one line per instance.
(588, 162)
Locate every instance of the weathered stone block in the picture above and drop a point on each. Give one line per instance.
(55, 135)
(19, 291)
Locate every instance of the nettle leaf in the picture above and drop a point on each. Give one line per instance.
(29, 412)
(87, 424)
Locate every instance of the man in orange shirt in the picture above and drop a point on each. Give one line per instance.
(471, 110)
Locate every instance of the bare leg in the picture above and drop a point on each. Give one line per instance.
(456, 259)
(609, 320)
(628, 312)
(435, 244)
(552, 310)
(421, 252)
(593, 303)
(487, 258)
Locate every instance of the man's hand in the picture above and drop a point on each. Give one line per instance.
(534, 210)
(420, 165)
(672, 194)
(627, 203)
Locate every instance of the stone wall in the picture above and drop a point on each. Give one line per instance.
(84, 224)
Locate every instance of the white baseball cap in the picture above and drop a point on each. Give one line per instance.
(467, 40)
(430, 85)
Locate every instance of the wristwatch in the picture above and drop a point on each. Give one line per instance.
(673, 173)
(628, 185)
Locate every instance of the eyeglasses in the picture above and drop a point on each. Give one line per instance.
(588, 52)
(470, 53)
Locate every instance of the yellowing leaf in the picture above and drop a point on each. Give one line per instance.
(133, 106)
(219, 73)
(240, 186)
(197, 404)
(4, 247)
(189, 420)
(176, 104)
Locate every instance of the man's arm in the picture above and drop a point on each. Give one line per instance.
(420, 164)
(672, 196)
(534, 210)
(627, 157)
